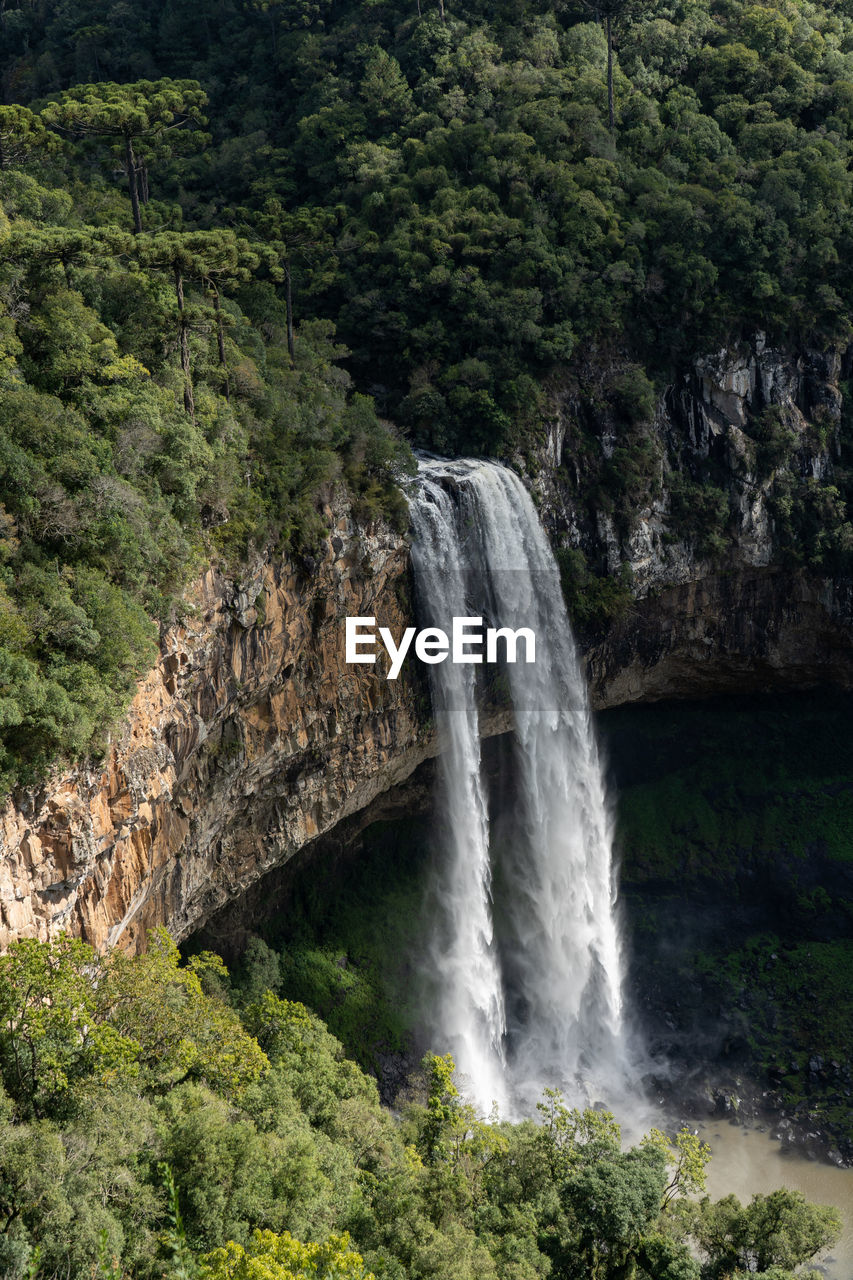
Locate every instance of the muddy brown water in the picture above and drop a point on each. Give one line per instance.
(745, 1162)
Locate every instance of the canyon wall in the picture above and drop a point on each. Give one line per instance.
(737, 611)
(252, 736)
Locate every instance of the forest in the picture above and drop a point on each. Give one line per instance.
(254, 251)
(162, 1118)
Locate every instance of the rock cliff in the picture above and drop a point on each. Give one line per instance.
(746, 423)
(252, 736)
(727, 587)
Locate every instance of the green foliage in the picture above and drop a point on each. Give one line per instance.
(343, 947)
(634, 394)
(451, 191)
(376, 462)
(443, 191)
(702, 512)
(571, 1137)
(776, 440)
(23, 137)
(616, 1204)
(73, 1021)
(182, 1033)
(630, 477)
(147, 109)
(687, 1156)
(442, 1106)
(812, 527)
(591, 599)
(779, 1230)
(809, 985)
(138, 120)
(273, 1257)
(145, 423)
(52, 1039)
(182, 1264)
(146, 1132)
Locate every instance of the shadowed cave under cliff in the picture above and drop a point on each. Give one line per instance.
(735, 853)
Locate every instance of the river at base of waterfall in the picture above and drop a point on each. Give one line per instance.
(746, 1162)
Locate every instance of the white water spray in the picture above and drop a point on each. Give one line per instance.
(470, 994)
(530, 984)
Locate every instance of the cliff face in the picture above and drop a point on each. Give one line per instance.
(740, 420)
(249, 738)
(757, 428)
(252, 736)
(747, 631)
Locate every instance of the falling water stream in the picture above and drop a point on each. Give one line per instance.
(526, 953)
(470, 996)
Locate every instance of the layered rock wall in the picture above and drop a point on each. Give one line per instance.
(250, 737)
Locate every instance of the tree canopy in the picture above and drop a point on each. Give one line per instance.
(161, 1116)
(427, 203)
(140, 121)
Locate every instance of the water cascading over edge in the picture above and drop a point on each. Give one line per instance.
(526, 954)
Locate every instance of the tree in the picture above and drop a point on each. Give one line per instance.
(40, 246)
(169, 251)
(302, 238)
(310, 1059)
(141, 121)
(608, 12)
(687, 1157)
(51, 1038)
(71, 1021)
(778, 1230)
(280, 1257)
(207, 256)
(457, 1144)
(223, 258)
(443, 1105)
(614, 1203)
(212, 257)
(22, 136)
(180, 1032)
(572, 1138)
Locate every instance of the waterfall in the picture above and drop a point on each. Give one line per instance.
(469, 992)
(526, 955)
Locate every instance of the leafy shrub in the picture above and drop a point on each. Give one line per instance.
(634, 394)
(592, 600)
(777, 441)
(702, 512)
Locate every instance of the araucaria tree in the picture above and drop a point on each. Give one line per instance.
(608, 11)
(23, 136)
(213, 258)
(142, 122)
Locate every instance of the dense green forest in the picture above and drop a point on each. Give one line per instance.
(238, 237)
(165, 1118)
